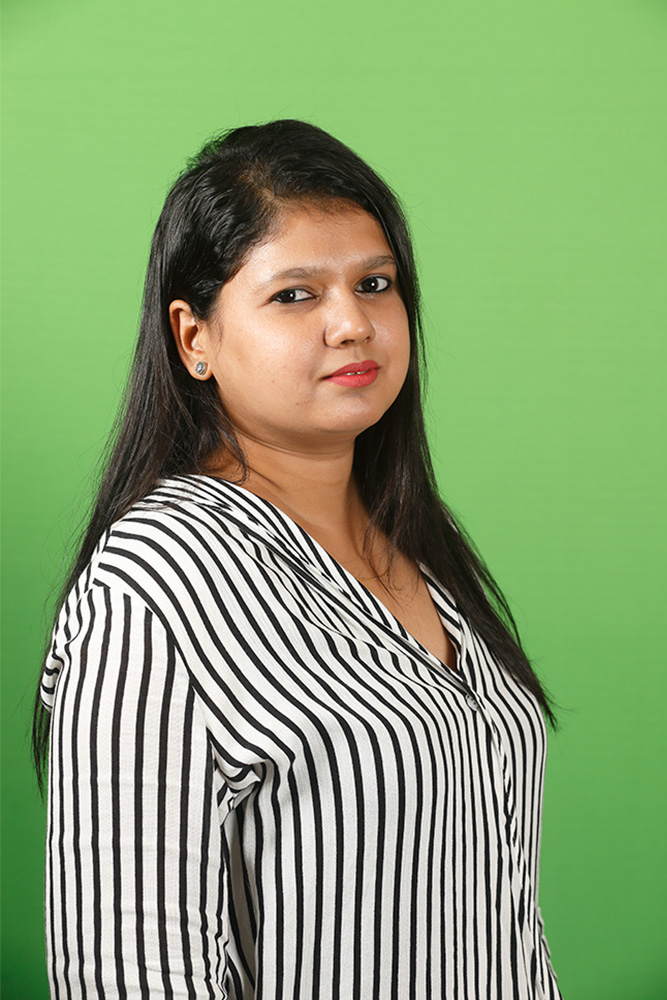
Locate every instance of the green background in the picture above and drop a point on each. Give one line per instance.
(527, 140)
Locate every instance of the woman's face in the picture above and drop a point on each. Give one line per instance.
(319, 296)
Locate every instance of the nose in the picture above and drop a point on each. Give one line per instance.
(347, 321)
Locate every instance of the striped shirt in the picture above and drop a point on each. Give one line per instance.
(261, 785)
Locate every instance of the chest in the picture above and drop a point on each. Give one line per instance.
(404, 594)
(411, 603)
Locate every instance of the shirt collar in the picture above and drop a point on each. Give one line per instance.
(277, 529)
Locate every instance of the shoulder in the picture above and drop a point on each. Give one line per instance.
(195, 551)
(168, 560)
(176, 541)
(197, 554)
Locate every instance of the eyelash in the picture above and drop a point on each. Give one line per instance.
(371, 277)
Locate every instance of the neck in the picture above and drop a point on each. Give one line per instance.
(317, 490)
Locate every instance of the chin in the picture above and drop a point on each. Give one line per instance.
(356, 427)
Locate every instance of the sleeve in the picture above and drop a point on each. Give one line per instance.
(549, 980)
(134, 886)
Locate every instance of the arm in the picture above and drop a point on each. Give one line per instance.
(549, 981)
(133, 879)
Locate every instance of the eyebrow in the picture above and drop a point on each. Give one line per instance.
(312, 272)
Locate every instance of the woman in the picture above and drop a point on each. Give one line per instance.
(295, 749)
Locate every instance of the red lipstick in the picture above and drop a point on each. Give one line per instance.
(355, 373)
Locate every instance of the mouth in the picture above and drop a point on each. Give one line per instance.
(356, 374)
(355, 368)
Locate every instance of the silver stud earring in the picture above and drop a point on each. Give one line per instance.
(201, 367)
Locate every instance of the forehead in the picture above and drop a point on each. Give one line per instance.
(318, 236)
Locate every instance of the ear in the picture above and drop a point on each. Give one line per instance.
(192, 339)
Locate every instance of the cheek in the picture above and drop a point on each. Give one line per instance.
(404, 366)
(403, 346)
(246, 352)
(272, 371)
(290, 356)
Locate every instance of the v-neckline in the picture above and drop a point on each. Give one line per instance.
(456, 673)
(455, 642)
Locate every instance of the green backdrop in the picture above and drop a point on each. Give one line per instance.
(527, 140)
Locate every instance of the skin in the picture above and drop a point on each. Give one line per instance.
(270, 344)
(298, 428)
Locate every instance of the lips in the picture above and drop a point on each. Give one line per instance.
(354, 367)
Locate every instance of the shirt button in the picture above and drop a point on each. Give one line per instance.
(471, 702)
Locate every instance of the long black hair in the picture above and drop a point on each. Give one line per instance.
(227, 201)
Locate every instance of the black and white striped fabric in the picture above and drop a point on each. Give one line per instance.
(262, 786)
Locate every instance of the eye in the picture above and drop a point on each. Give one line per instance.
(375, 283)
(291, 295)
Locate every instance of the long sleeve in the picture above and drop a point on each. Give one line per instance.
(262, 785)
(134, 887)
